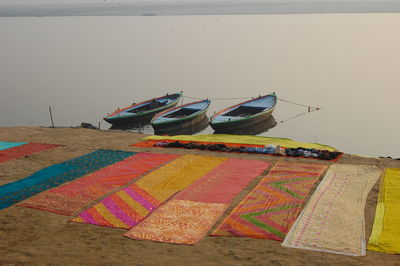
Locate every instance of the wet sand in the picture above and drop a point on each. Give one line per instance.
(37, 237)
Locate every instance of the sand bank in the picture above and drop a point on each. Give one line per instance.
(33, 236)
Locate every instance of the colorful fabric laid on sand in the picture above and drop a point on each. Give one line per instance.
(224, 182)
(333, 219)
(179, 222)
(24, 150)
(385, 235)
(73, 196)
(129, 206)
(273, 205)
(187, 217)
(57, 174)
(6, 145)
(269, 149)
(240, 139)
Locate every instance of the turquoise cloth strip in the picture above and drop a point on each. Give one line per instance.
(57, 174)
(6, 145)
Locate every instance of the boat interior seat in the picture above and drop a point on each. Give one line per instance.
(244, 111)
(190, 108)
(222, 118)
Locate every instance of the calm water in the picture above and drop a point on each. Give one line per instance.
(85, 67)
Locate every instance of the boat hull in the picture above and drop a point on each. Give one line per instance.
(124, 116)
(180, 124)
(237, 125)
(243, 115)
(135, 118)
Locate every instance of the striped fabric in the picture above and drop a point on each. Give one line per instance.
(129, 206)
(124, 209)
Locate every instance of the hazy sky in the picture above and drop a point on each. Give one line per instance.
(35, 2)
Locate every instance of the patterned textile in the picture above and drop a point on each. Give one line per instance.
(274, 204)
(242, 139)
(385, 235)
(224, 182)
(131, 205)
(179, 222)
(57, 174)
(73, 196)
(123, 209)
(188, 217)
(179, 174)
(24, 150)
(333, 220)
(6, 145)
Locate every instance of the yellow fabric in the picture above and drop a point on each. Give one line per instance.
(244, 139)
(142, 211)
(385, 235)
(166, 181)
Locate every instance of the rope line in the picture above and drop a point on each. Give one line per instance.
(238, 98)
(310, 109)
(216, 99)
(299, 104)
(298, 115)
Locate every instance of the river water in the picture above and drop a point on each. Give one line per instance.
(85, 67)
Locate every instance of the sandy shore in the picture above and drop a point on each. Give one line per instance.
(36, 237)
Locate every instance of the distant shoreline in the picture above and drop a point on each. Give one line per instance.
(253, 7)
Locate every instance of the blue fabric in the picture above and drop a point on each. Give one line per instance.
(57, 174)
(6, 145)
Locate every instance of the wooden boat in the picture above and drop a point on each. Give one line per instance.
(180, 117)
(244, 114)
(144, 110)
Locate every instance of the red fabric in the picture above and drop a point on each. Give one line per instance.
(24, 150)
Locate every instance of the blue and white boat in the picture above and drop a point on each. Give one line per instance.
(245, 114)
(144, 110)
(180, 117)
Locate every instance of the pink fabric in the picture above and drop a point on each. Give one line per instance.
(224, 182)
